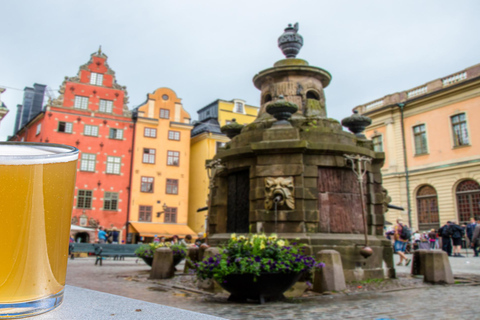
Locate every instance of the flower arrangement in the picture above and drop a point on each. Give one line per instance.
(256, 254)
(148, 250)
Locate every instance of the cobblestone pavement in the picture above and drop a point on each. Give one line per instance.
(128, 278)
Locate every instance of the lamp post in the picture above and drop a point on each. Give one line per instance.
(359, 167)
(165, 207)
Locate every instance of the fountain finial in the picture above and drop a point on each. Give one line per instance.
(290, 42)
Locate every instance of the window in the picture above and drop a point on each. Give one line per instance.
(116, 134)
(84, 199)
(420, 139)
(239, 107)
(172, 186)
(145, 213)
(219, 145)
(39, 128)
(81, 102)
(170, 215)
(164, 113)
(110, 201)
(87, 162)
(427, 208)
(113, 165)
(173, 135)
(377, 143)
(147, 184)
(150, 132)
(89, 130)
(106, 106)
(96, 79)
(468, 200)
(173, 158)
(148, 155)
(459, 128)
(65, 127)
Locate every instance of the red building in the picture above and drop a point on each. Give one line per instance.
(91, 113)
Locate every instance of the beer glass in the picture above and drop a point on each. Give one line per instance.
(37, 182)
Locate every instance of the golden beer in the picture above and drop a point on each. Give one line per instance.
(36, 198)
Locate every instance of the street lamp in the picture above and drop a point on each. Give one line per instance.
(165, 207)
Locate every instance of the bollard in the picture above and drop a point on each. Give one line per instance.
(437, 267)
(210, 285)
(330, 277)
(192, 257)
(162, 266)
(418, 262)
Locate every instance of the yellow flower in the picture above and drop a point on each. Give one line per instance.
(241, 238)
(233, 237)
(262, 246)
(262, 236)
(272, 237)
(280, 243)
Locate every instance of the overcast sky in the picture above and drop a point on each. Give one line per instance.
(207, 50)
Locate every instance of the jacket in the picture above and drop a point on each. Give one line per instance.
(445, 231)
(457, 231)
(476, 233)
(470, 229)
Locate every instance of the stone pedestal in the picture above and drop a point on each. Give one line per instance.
(162, 266)
(437, 268)
(192, 257)
(330, 277)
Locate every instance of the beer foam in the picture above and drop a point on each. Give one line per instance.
(23, 154)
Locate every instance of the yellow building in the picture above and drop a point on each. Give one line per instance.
(205, 141)
(160, 170)
(431, 138)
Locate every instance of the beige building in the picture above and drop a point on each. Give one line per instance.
(431, 139)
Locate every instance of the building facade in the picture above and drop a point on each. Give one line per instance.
(431, 141)
(205, 142)
(160, 173)
(91, 113)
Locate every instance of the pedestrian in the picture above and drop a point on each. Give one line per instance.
(156, 239)
(115, 235)
(432, 238)
(475, 244)
(402, 237)
(102, 235)
(175, 240)
(470, 228)
(416, 240)
(457, 235)
(446, 233)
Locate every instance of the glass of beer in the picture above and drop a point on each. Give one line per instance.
(37, 182)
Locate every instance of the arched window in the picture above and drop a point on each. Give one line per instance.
(468, 200)
(427, 208)
(313, 95)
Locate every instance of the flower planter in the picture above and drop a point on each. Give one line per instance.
(267, 287)
(176, 260)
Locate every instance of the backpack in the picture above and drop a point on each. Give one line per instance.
(406, 233)
(447, 231)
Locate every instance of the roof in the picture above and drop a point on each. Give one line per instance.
(150, 229)
(209, 125)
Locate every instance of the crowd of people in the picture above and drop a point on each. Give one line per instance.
(449, 238)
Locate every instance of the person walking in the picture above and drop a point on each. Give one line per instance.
(475, 244)
(457, 235)
(432, 238)
(470, 228)
(402, 237)
(446, 234)
(102, 235)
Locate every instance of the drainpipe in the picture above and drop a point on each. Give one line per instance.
(401, 106)
(134, 118)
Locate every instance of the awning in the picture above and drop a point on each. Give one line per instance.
(149, 229)
(78, 228)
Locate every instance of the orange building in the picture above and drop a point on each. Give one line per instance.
(431, 141)
(160, 173)
(91, 113)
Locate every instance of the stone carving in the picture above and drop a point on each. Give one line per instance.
(74, 220)
(290, 42)
(280, 189)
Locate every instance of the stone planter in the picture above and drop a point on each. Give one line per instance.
(268, 287)
(176, 260)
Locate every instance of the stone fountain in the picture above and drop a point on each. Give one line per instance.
(288, 172)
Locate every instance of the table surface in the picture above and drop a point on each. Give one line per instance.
(83, 304)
